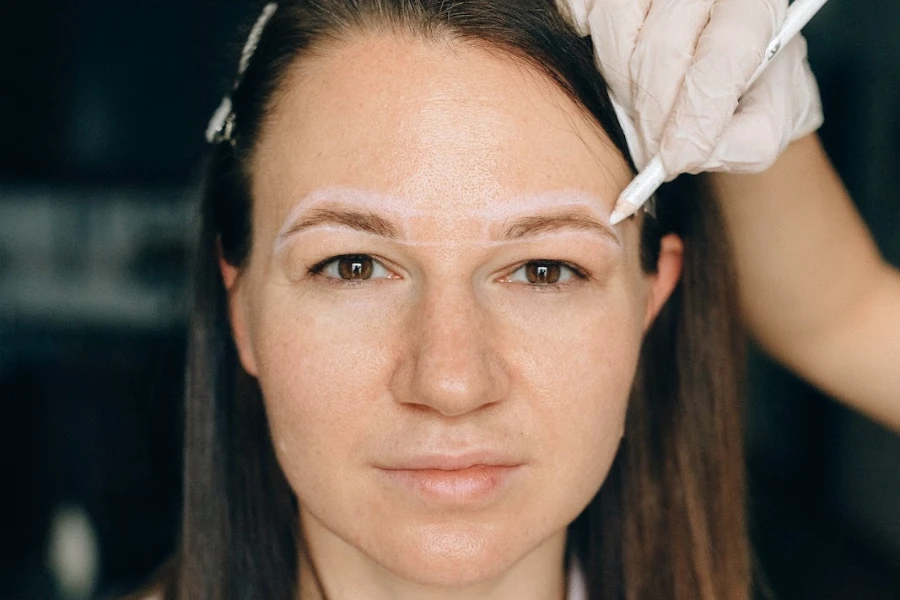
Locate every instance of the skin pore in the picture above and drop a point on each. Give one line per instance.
(433, 280)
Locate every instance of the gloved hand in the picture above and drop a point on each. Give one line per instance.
(679, 67)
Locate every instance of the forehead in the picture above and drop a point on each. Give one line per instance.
(444, 125)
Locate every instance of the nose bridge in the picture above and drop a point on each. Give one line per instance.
(456, 370)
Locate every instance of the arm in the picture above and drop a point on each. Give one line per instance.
(815, 291)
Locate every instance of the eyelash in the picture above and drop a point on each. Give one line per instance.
(577, 273)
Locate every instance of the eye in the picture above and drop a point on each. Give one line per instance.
(351, 267)
(545, 273)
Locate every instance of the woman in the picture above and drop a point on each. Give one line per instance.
(422, 362)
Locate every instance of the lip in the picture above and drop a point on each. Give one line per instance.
(451, 462)
(455, 479)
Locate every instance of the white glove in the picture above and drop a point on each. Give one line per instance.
(679, 67)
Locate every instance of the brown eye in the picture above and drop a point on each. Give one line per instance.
(546, 274)
(355, 267)
(543, 273)
(351, 268)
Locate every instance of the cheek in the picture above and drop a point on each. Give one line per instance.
(576, 369)
(323, 371)
(584, 350)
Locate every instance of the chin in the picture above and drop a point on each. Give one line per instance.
(450, 555)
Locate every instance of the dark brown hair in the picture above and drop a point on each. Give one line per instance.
(669, 520)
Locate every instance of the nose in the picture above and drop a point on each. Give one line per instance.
(453, 365)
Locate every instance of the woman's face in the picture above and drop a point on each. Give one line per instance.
(443, 323)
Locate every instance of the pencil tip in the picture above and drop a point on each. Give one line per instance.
(618, 215)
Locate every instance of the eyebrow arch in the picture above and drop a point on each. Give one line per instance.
(366, 222)
(538, 224)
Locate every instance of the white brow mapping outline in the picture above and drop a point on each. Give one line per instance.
(363, 200)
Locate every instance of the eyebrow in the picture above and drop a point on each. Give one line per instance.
(523, 227)
(535, 225)
(366, 222)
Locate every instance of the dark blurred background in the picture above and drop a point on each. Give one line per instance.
(103, 105)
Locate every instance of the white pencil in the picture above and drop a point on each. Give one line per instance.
(654, 174)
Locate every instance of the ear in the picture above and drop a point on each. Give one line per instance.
(668, 272)
(231, 277)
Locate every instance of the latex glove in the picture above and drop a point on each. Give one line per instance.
(678, 68)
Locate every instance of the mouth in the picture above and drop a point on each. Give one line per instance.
(469, 479)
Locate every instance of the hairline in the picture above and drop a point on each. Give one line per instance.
(382, 25)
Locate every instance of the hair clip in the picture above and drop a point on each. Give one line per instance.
(221, 125)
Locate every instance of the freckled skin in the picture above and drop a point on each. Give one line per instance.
(447, 352)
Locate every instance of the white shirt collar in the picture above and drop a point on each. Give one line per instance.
(577, 585)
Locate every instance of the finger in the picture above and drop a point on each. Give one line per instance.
(755, 135)
(728, 52)
(807, 112)
(782, 106)
(663, 53)
(615, 26)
